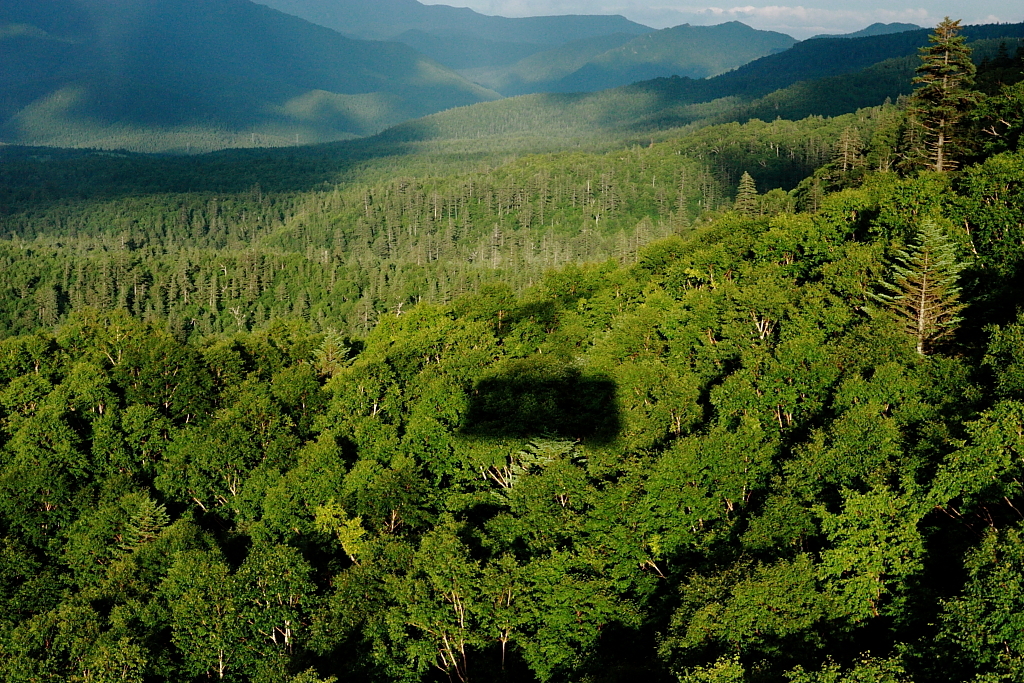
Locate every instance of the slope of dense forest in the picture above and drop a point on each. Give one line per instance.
(339, 256)
(763, 423)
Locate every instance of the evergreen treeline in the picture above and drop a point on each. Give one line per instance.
(338, 257)
(782, 447)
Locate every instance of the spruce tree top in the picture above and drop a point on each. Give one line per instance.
(946, 61)
(746, 195)
(945, 94)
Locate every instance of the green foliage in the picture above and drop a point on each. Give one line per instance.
(722, 671)
(943, 96)
(924, 293)
(875, 544)
(330, 518)
(984, 622)
(746, 195)
(989, 200)
(869, 670)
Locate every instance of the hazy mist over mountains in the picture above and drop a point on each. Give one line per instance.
(221, 65)
(387, 19)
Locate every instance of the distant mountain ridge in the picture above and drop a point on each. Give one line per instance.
(468, 52)
(457, 37)
(386, 19)
(824, 57)
(876, 29)
(612, 61)
(691, 51)
(96, 69)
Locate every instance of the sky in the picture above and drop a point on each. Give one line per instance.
(800, 21)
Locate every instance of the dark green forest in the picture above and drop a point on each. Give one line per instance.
(742, 404)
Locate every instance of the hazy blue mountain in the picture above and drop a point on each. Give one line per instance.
(468, 51)
(537, 72)
(692, 51)
(457, 37)
(611, 61)
(177, 73)
(386, 19)
(876, 29)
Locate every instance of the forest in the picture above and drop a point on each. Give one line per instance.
(740, 404)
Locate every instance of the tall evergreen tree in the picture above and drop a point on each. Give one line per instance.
(944, 95)
(924, 293)
(746, 195)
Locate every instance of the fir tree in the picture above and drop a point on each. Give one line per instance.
(924, 293)
(746, 196)
(943, 97)
(332, 354)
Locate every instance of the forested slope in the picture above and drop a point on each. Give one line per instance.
(217, 261)
(728, 444)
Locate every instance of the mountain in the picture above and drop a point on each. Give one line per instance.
(386, 19)
(612, 61)
(457, 37)
(815, 77)
(876, 29)
(168, 74)
(538, 72)
(691, 51)
(468, 51)
(824, 57)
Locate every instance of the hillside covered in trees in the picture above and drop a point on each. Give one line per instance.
(744, 404)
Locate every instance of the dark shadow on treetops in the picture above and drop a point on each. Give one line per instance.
(542, 397)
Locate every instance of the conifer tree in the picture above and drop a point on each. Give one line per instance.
(944, 95)
(848, 150)
(746, 195)
(332, 354)
(924, 293)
